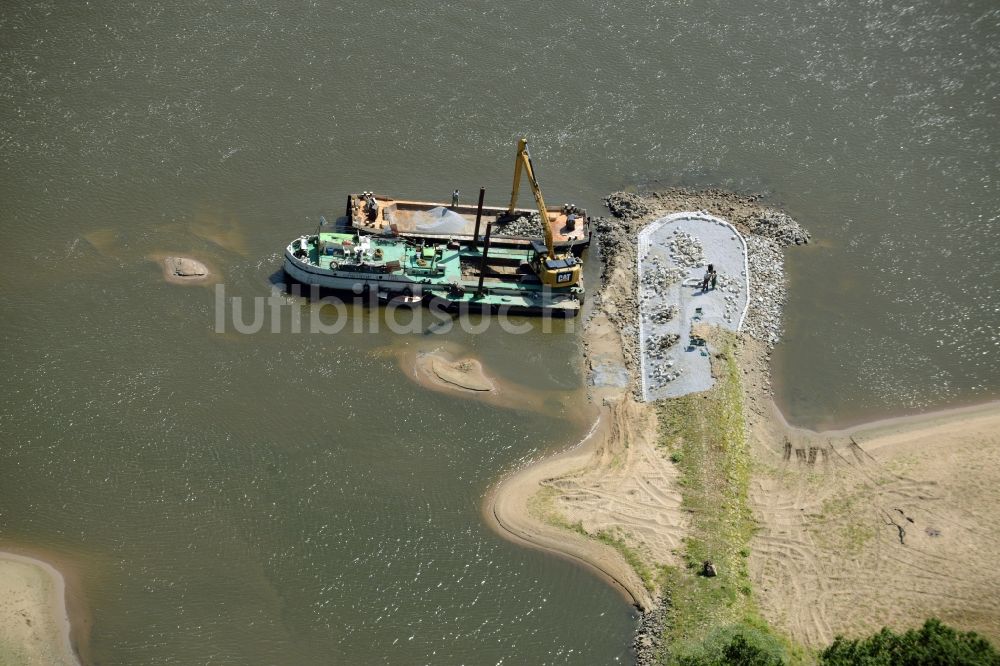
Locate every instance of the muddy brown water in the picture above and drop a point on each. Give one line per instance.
(289, 498)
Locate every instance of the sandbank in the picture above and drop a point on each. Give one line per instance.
(447, 368)
(883, 523)
(179, 269)
(461, 375)
(508, 509)
(34, 628)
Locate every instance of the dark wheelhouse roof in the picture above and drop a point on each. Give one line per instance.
(553, 264)
(556, 264)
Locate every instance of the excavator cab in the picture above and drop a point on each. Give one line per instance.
(560, 271)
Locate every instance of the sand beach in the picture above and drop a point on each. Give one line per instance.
(34, 627)
(881, 524)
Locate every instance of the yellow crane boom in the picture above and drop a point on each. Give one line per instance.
(523, 162)
(556, 271)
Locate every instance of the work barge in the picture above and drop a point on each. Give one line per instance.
(371, 213)
(416, 252)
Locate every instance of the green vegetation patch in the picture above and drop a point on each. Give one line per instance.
(542, 506)
(743, 645)
(631, 556)
(713, 620)
(932, 644)
(843, 525)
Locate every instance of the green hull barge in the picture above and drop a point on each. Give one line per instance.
(450, 275)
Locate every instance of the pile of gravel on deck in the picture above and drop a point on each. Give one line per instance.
(520, 226)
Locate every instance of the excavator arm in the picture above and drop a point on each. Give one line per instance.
(523, 162)
(558, 272)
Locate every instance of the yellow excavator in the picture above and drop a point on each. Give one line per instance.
(562, 270)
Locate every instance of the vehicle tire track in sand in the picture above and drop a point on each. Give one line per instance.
(627, 489)
(893, 529)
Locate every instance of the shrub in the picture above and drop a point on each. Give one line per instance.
(735, 645)
(934, 643)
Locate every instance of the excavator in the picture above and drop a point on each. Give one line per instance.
(553, 270)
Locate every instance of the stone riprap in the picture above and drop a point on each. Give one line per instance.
(767, 283)
(673, 256)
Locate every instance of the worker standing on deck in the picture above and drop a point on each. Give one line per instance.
(454, 199)
(713, 275)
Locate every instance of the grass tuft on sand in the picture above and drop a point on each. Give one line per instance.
(542, 507)
(644, 571)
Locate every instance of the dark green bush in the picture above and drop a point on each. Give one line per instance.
(932, 645)
(737, 645)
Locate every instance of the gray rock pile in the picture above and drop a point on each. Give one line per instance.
(520, 226)
(657, 276)
(686, 250)
(767, 290)
(732, 291)
(661, 373)
(779, 227)
(661, 365)
(673, 275)
(659, 345)
(626, 205)
(648, 636)
(663, 314)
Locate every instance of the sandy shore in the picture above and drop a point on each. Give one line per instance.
(828, 558)
(885, 523)
(597, 486)
(34, 628)
(508, 509)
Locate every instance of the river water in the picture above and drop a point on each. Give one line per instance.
(292, 498)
